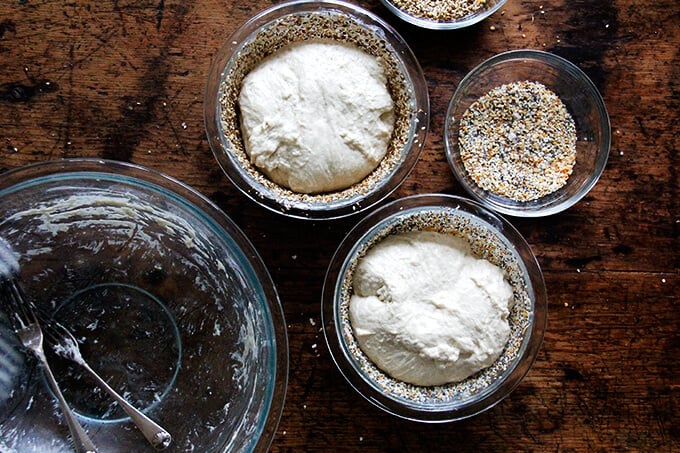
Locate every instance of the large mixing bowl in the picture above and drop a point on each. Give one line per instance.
(170, 301)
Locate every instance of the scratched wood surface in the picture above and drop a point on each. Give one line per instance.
(124, 80)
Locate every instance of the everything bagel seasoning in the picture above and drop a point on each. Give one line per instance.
(518, 141)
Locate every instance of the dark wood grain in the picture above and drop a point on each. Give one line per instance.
(125, 79)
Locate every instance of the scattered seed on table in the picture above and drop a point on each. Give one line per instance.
(518, 141)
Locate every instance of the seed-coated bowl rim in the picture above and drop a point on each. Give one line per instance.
(334, 333)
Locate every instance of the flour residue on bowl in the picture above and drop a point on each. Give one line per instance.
(106, 235)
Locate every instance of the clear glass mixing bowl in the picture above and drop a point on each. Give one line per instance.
(171, 301)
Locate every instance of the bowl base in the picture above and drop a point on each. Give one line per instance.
(129, 338)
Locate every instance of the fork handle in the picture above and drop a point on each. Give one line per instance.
(81, 441)
(158, 437)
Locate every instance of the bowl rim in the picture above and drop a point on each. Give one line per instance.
(344, 207)
(466, 21)
(333, 331)
(219, 220)
(562, 64)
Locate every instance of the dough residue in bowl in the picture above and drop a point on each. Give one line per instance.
(317, 116)
(427, 311)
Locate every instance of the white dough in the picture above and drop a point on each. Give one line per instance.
(428, 312)
(317, 116)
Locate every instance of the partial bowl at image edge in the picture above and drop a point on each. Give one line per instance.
(466, 21)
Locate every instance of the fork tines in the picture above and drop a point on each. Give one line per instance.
(55, 332)
(19, 310)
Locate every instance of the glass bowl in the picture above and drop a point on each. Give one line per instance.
(173, 305)
(491, 237)
(583, 102)
(294, 21)
(411, 11)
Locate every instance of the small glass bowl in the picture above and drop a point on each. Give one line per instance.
(294, 21)
(176, 309)
(489, 7)
(582, 100)
(491, 237)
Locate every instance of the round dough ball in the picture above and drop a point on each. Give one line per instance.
(317, 116)
(428, 312)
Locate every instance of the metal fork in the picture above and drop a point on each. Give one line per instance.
(25, 324)
(64, 344)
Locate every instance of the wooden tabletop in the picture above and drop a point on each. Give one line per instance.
(124, 79)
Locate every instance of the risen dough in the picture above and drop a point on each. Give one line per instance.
(317, 116)
(428, 312)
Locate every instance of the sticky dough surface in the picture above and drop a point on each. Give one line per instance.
(428, 312)
(316, 116)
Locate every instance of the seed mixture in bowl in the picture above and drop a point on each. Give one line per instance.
(440, 11)
(518, 141)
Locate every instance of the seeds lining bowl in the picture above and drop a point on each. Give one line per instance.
(490, 237)
(296, 21)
